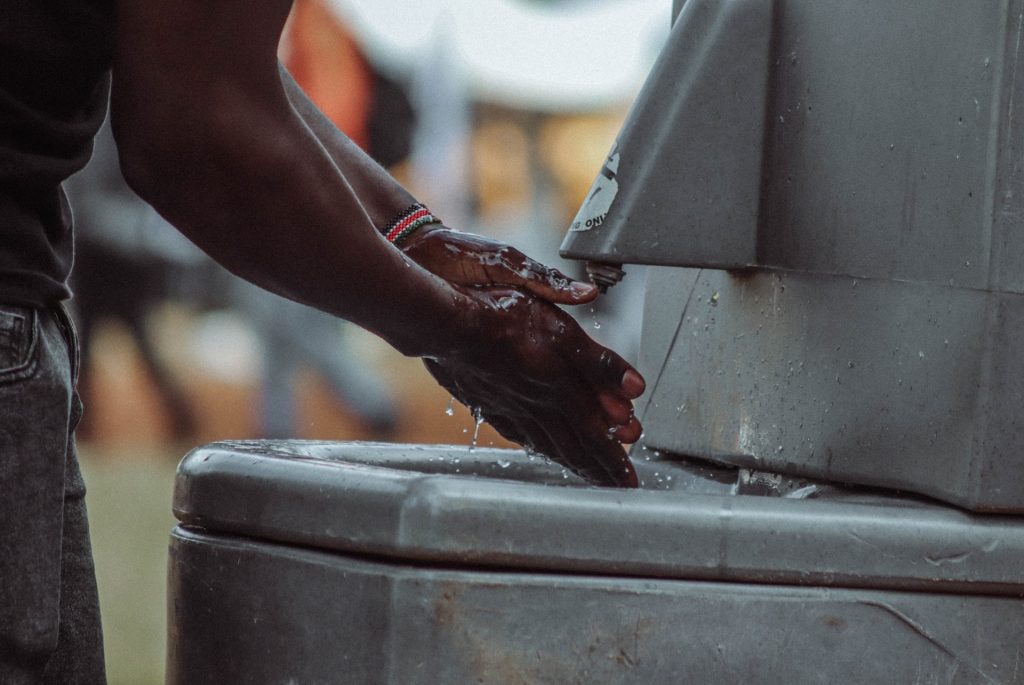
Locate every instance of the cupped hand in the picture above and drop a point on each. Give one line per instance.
(472, 260)
(537, 378)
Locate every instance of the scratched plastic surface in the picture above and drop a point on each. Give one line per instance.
(855, 165)
(504, 508)
(382, 564)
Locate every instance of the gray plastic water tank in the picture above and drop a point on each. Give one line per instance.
(855, 168)
(368, 563)
(856, 165)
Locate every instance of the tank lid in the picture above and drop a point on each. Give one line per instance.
(503, 509)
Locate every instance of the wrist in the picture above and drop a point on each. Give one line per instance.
(443, 322)
(423, 234)
(407, 222)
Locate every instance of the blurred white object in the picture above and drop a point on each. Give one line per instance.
(440, 157)
(226, 348)
(581, 56)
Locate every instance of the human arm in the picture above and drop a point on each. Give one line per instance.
(458, 257)
(209, 136)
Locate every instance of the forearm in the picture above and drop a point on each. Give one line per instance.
(381, 196)
(227, 159)
(218, 142)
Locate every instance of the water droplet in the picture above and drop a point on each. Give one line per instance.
(920, 354)
(504, 463)
(597, 324)
(714, 299)
(450, 411)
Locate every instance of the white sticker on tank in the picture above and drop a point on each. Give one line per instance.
(599, 200)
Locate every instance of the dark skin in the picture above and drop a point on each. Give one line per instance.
(224, 145)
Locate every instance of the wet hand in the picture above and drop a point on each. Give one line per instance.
(541, 381)
(472, 260)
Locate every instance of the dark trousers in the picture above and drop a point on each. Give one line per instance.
(49, 613)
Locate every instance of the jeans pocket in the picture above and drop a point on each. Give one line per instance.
(67, 329)
(19, 340)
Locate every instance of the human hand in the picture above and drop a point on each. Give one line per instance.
(535, 376)
(472, 260)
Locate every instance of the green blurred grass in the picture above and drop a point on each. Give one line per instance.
(129, 501)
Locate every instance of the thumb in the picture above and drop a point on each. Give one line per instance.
(551, 284)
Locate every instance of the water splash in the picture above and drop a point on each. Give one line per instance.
(450, 411)
(476, 429)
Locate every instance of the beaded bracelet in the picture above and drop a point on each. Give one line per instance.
(406, 223)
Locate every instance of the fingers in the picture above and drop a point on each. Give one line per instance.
(538, 440)
(618, 420)
(556, 442)
(607, 370)
(629, 432)
(586, 448)
(578, 439)
(508, 428)
(505, 265)
(605, 451)
(545, 282)
(473, 260)
(583, 445)
(615, 410)
(618, 410)
(542, 381)
(633, 384)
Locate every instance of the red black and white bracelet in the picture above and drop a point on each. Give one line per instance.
(406, 223)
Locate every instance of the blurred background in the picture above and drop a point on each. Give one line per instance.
(496, 113)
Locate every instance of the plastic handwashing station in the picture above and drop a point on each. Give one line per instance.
(829, 196)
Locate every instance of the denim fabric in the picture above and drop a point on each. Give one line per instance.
(49, 613)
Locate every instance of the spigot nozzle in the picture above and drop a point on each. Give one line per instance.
(604, 275)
